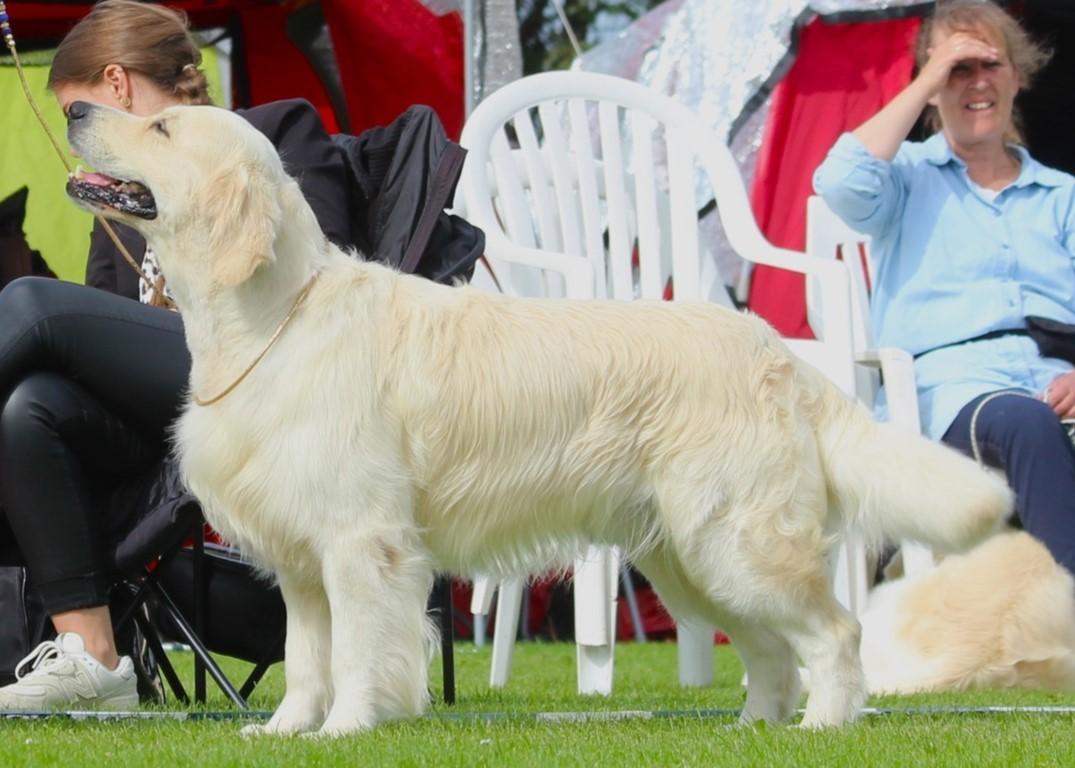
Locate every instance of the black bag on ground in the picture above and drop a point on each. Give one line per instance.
(1054, 338)
(25, 624)
(244, 611)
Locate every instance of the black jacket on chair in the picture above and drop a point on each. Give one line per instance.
(404, 176)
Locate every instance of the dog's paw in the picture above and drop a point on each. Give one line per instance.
(333, 732)
(280, 725)
(258, 730)
(345, 720)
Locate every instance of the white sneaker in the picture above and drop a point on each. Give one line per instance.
(63, 675)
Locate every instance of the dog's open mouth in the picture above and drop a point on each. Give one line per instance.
(131, 197)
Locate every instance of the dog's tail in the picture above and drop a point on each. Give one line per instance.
(890, 483)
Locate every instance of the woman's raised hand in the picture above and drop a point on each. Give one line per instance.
(948, 53)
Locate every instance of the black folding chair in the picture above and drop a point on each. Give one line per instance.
(185, 590)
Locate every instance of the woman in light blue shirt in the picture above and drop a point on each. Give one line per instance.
(970, 236)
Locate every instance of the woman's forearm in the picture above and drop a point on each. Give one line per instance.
(883, 133)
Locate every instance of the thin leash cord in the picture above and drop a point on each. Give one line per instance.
(254, 364)
(9, 41)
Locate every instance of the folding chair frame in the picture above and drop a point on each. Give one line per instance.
(148, 586)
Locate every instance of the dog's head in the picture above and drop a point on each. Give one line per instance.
(200, 183)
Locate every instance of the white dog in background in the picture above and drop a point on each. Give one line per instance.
(399, 426)
(999, 616)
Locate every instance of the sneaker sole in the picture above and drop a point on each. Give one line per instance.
(118, 703)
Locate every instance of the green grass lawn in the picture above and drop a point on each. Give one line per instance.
(500, 728)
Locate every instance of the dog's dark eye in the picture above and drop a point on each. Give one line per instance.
(159, 127)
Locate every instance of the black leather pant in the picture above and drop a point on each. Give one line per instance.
(90, 383)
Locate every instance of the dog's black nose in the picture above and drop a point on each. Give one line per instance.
(77, 110)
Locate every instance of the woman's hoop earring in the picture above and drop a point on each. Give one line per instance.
(125, 102)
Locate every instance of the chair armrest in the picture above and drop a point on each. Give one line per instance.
(901, 393)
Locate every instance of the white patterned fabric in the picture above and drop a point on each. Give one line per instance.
(147, 292)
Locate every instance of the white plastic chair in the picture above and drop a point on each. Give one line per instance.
(828, 236)
(565, 203)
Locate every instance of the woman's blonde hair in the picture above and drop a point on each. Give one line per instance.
(149, 39)
(1026, 55)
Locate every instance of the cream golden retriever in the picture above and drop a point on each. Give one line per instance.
(999, 616)
(399, 427)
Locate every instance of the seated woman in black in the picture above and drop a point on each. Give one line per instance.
(90, 380)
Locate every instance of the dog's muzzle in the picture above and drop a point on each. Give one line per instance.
(100, 189)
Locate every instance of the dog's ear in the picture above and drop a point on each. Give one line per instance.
(245, 217)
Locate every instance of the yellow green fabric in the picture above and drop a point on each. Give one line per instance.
(54, 225)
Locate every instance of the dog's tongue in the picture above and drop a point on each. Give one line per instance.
(97, 179)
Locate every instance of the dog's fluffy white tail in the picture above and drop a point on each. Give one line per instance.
(893, 484)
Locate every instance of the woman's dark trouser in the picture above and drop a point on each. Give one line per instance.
(1024, 437)
(89, 382)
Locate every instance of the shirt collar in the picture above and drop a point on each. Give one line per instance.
(1030, 170)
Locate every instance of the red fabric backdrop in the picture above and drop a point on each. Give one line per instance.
(276, 69)
(395, 53)
(391, 53)
(843, 74)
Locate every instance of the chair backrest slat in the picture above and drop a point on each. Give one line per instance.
(541, 194)
(513, 210)
(589, 198)
(553, 115)
(647, 208)
(617, 213)
(684, 216)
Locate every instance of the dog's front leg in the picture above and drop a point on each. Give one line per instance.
(306, 651)
(377, 582)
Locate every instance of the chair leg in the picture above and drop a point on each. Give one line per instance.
(595, 589)
(632, 603)
(135, 601)
(275, 652)
(201, 653)
(199, 609)
(443, 589)
(849, 579)
(165, 666)
(508, 605)
(481, 603)
(694, 653)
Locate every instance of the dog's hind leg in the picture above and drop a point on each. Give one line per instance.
(772, 672)
(308, 686)
(773, 683)
(794, 600)
(827, 638)
(377, 582)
